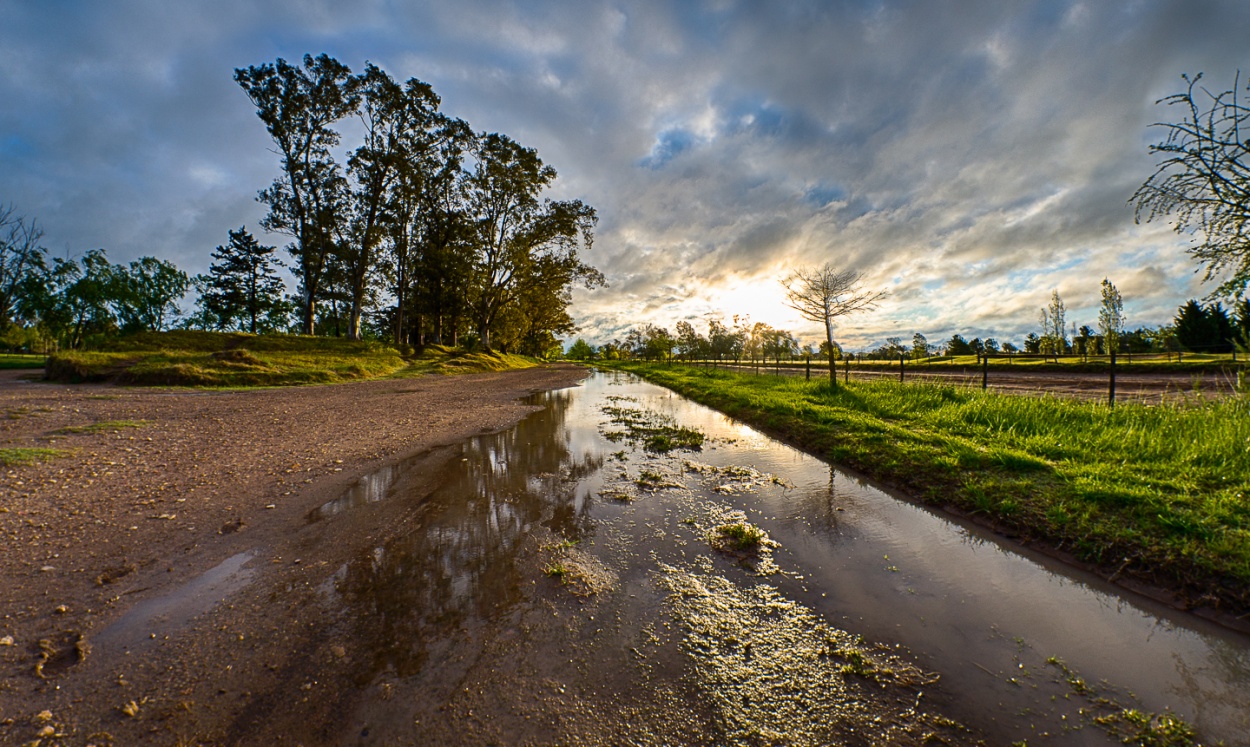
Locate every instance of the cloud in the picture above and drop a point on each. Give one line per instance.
(969, 155)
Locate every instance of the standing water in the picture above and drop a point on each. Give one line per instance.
(593, 575)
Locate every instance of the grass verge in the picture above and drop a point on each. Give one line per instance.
(213, 359)
(16, 360)
(1161, 492)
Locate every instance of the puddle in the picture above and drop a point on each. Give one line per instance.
(151, 620)
(370, 488)
(471, 616)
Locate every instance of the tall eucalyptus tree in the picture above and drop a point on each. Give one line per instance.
(298, 106)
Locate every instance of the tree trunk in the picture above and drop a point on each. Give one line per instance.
(833, 371)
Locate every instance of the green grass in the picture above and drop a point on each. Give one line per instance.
(14, 360)
(1159, 490)
(106, 425)
(16, 457)
(213, 359)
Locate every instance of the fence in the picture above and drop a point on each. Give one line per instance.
(1102, 378)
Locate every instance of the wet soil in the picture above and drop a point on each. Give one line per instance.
(166, 502)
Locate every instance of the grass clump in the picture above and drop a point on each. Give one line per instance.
(1161, 491)
(106, 425)
(19, 456)
(739, 536)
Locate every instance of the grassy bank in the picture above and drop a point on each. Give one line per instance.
(212, 359)
(1161, 492)
(20, 360)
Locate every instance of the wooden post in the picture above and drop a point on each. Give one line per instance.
(1111, 382)
(846, 368)
(901, 358)
(809, 368)
(985, 372)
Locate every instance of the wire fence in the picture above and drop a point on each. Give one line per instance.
(1106, 379)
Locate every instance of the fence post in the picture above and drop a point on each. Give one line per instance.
(846, 368)
(809, 368)
(985, 372)
(901, 358)
(1111, 382)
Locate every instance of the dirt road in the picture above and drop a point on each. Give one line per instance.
(163, 502)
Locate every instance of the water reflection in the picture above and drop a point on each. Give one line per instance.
(459, 568)
(970, 606)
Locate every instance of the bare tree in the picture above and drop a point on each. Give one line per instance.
(822, 294)
(1204, 180)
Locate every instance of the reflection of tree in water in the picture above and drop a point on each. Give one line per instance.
(459, 567)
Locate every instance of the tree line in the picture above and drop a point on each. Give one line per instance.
(424, 232)
(1197, 328)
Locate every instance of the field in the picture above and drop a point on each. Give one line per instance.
(1160, 492)
(212, 359)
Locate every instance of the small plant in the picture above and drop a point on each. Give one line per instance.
(557, 571)
(740, 535)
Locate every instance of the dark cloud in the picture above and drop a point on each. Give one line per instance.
(968, 155)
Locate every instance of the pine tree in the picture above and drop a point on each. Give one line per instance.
(243, 290)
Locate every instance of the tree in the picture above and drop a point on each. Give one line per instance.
(580, 350)
(22, 260)
(146, 294)
(690, 344)
(1111, 316)
(919, 346)
(243, 289)
(959, 346)
(1204, 329)
(513, 228)
(1054, 333)
(298, 105)
(1203, 178)
(825, 294)
(1241, 325)
(402, 130)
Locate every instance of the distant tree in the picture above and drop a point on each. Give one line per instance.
(22, 260)
(831, 351)
(1241, 325)
(919, 346)
(1010, 348)
(1032, 343)
(1111, 316)
(989, 346)
(580, 350)
(1203, 178)
(1084, 341)
(145, 294)
(1204, 329)
(1054, 333)
(243, 287)
(690, 344)
(959, 346)
(824, 294)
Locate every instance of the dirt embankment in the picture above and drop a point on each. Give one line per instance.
(153, 489)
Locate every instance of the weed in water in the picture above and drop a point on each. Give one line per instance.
(740, 535)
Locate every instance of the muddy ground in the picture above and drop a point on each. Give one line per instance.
(156, 488)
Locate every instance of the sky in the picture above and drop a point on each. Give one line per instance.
(966, 156)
